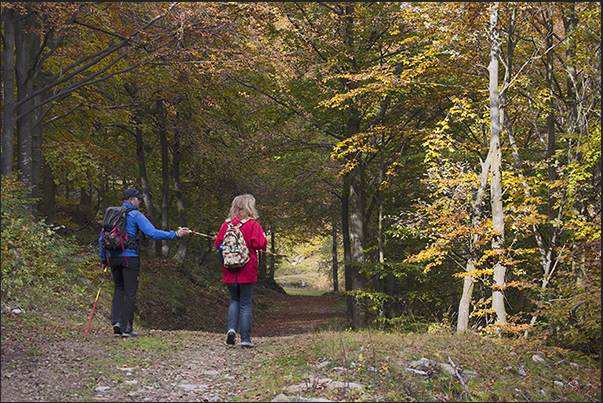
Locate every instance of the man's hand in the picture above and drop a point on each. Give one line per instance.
(182, 231)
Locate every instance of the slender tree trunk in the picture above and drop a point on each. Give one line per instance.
(357, 244)
(334, 264)
(49, 195)
(24, 50)
(550, 126)
(36, 138)
(177, 156)
(570, 22)
(498, 219)
(165, 175)
(144, 181)
(142, 167)
(273, 251)
(262, 266)
(347, 249)
(469, 281)
(8, 86)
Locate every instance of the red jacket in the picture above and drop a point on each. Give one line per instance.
(256, 239)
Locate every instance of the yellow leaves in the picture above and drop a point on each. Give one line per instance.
(509, 327)
(517, 284)
(475, 273)
(483, 312)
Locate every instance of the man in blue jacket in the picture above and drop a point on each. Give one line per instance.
(125, 264)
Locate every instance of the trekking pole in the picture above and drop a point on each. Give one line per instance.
(94, 306)
(268, 253)
(198, 233)
(213, 237)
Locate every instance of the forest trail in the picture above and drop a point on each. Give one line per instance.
(51, 365)
(301, 314)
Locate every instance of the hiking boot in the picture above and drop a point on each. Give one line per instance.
(230, 337)
(129, 334)
(117, 328)
(247, 344)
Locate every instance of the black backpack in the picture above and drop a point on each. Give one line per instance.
(114, 234)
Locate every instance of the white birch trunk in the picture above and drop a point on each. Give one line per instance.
(498, 218)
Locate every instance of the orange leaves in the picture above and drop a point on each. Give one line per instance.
(475, 273)
(509, 327)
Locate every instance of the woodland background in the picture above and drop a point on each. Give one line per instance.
(450, 151)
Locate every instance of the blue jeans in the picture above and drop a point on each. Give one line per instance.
(240, 308)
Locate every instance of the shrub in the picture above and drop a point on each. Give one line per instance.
(32, 252)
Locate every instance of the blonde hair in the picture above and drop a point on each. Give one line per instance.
(243, 206)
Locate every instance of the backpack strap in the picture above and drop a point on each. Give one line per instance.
(131, 241)
(240, 224)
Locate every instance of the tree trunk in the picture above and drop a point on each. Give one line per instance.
(570, 22)
(379, 287)
(357, 245)
(462, 323)
(165, 175)
(177, 156)
(347, 250)
(50, 204)
(24, 51)
(144, 181)
(273, 251)
(142, 167)
(334, 266)
(8, 85)
(37, 133)
(498, 219)
(469, 281)
(551, 135)
(262, 266)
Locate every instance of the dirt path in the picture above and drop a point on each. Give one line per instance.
(303, 314)
(189, 366)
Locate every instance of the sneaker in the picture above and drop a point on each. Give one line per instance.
(230, 337)
(247, 344)
(117, 328)
(130, 334)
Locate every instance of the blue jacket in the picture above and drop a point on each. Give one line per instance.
(135, 221)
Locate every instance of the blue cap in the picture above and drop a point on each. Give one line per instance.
(131, 192)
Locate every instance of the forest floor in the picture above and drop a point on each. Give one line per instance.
(302, 353)
(50, 364)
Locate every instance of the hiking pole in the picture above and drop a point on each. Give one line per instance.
(268, 253)
(190, 231)
(94, 306)
(213, 237)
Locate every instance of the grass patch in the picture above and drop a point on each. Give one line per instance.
(379, 361)
(302, 291)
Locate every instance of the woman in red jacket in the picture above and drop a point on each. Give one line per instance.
(240, 281)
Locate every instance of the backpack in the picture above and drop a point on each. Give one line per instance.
(235, 253)
(114, 234)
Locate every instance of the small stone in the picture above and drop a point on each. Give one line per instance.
(538, 358)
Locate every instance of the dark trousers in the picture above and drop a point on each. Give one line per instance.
(126, 280)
